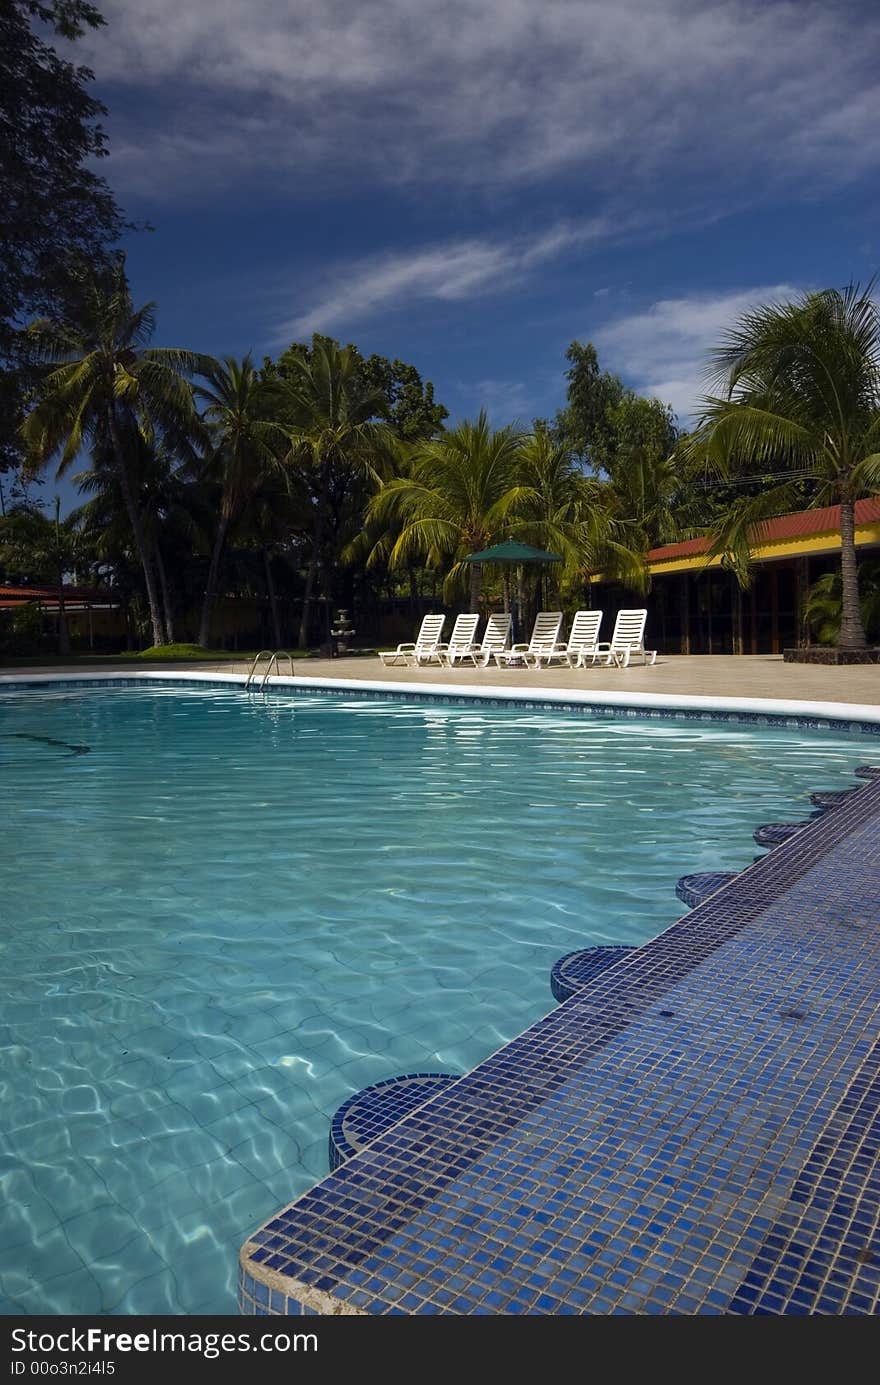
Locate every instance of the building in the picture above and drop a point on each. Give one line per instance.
(90, 613)
(698, 607)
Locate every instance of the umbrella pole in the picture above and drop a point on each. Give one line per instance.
(519, 600)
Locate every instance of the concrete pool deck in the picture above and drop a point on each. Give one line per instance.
(714, 675)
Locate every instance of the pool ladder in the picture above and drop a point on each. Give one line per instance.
(274, 656)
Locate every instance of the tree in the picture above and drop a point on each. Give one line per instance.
(564, 511)
(458, 499)
(583, 424)
(244, 444)
(55, 208)
(105, 385)
(403, 400)
(335, 440)
(42, 549)
(410, 410)
(801, 395)
(174, 515)
(644, 474)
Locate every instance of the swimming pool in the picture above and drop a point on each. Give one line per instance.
(224, 914)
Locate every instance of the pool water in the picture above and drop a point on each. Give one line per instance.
(223, 914)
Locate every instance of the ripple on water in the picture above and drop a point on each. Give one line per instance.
(233, 912)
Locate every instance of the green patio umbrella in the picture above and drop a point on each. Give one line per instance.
(512, 552)
(517, 554)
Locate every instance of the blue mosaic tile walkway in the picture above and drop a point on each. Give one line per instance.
(694, 1132)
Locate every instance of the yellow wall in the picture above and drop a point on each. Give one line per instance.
(803, 546)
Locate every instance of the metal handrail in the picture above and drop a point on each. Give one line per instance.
(273, 662)
(273, 655)
(263, 654)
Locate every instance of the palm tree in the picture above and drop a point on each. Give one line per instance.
(460, 494)
(103, 379)
(244, 445)
(564, 510)
(645, 472)
(335, 438)
(173, 513)
(801, 392)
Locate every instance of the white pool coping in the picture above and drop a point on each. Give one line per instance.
(847, 712)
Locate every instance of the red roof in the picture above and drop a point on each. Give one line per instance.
(17, 596)
(793, 526)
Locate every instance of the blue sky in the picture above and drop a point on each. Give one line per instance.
(469, 185)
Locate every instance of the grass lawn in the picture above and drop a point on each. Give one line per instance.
(159, 654)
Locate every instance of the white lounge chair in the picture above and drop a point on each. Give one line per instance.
(545, 635)
(495, 637)
(460, 641)
(627, 639)
(423, 647)
(581, 641)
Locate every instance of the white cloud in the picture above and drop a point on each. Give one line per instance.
(487, 93)
(505, 401)
(447, 272)
(662, 350)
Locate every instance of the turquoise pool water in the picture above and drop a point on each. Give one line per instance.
(222, 914)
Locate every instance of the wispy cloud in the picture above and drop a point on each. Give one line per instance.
(488, 92)
(452, 271)
(663, 349)
(505, 401)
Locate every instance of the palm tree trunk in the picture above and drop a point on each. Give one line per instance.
(211, 584)
(852, 631)
(63, 632)
(137, 530)
(273, 599)
(317, 535)
(166, 601)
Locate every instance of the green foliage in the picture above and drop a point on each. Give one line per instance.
(823, 609)
(564, 511)
(37, 548)
(647, 482)
(473, 487)
(42, 550)
(186, 651)
(105, 385)
(401, 398)
(410, 410)
(799, 395)
(56, 211)
(455, 499)
(337, 450)
(584, 425)
(244, 444)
